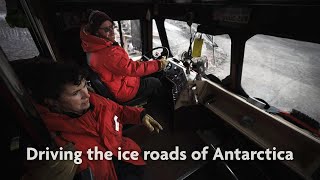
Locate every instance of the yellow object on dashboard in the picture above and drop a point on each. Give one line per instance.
(197, 47)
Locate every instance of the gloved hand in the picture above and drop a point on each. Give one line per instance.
(151, 124)
(163, 62)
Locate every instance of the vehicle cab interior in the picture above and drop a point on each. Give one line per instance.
(230, 72)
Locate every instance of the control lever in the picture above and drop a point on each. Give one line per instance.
(187, 64)
(193, 94)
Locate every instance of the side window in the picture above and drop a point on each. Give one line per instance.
(17, 43)
(217, 49)
(131, 36)
(283, 72)
(155, 35)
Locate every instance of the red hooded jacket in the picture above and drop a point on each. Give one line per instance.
(97, 127)
(119, 73)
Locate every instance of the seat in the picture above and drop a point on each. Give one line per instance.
(84, 175)
(104, 91)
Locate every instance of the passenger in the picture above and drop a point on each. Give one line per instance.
(120, 74)
(87, 119)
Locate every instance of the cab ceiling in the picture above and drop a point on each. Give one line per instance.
(289, 19)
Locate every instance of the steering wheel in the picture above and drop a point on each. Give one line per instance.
(156, 53)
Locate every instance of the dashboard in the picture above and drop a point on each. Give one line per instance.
(175, 73)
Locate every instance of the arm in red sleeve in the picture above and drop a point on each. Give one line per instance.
(118, 62)
(128, 114)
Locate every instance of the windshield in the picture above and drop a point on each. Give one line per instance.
(215, 48)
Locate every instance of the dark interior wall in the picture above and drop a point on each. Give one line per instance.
(294, 21)
(288, 19)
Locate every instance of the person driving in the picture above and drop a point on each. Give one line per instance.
(124, 77)
(86, 119)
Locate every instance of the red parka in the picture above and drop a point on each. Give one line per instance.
(119, 73)
(97, 127)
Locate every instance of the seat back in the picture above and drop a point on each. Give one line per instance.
(84, 175)
(99, 86)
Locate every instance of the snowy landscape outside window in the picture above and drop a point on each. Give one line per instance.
(131, 34)
(216, 48)
(283, 72)
(155, 34)
(16, 42)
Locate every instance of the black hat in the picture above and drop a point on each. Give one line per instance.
(96, 18)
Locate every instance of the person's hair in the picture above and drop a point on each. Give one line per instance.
(95, 19)
(48, 79)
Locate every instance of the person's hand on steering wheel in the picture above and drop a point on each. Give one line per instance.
(163, 62)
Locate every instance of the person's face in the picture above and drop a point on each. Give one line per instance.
(106, 30)
(74, 98)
